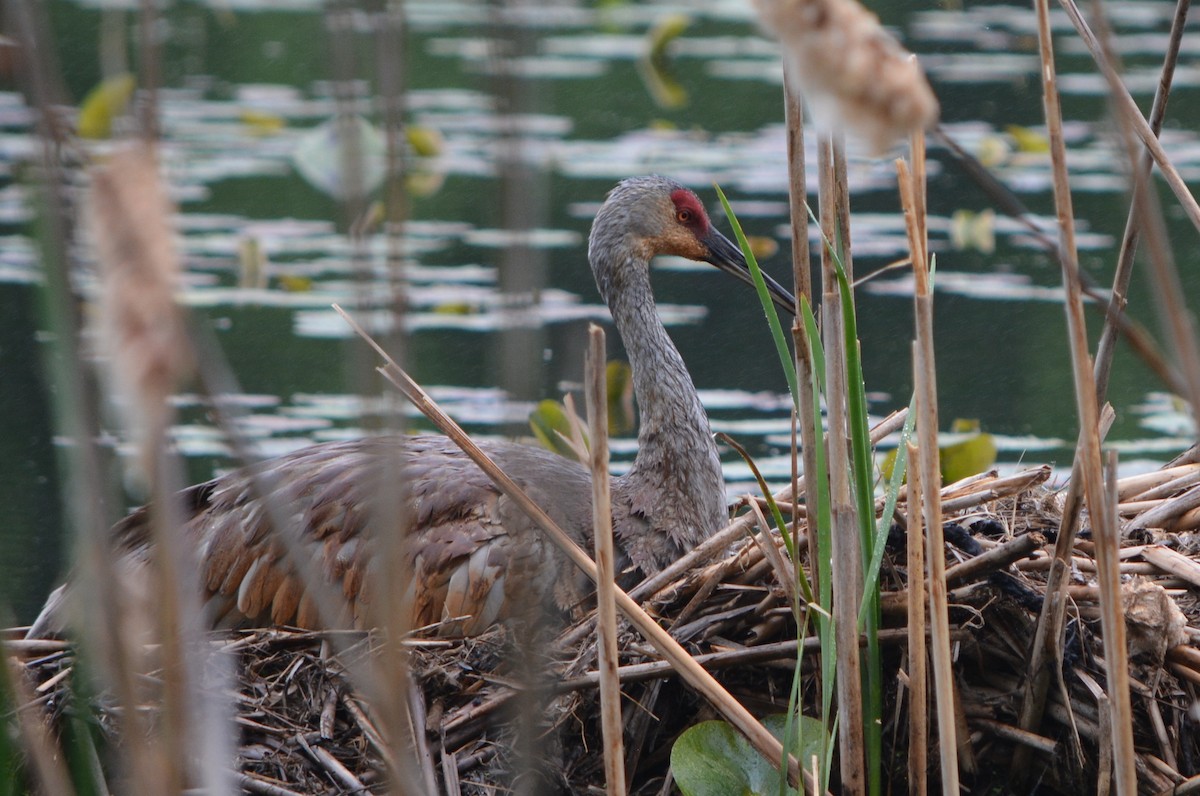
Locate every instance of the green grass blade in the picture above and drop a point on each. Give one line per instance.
(891, 494)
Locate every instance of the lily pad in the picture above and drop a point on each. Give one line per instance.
(714, 759)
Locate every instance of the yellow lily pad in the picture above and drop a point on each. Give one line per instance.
(104, 104)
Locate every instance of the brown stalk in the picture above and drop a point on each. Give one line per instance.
(1146, 211)
(1127, 111)
(1050, 621)
(683, 663)
(925, 379)
(606, 606)
(41, 750)
(333, 610)
(1116, 652)
(783, 573)
(846, 553)
(912, 191)
(918, 679)
(806, 412)
(1164, 487)
(1133, 225)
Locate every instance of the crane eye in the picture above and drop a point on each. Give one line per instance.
(684, 216)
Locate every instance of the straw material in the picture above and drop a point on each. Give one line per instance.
(305, 728)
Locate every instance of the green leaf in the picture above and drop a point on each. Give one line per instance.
(713, 759)
(552, 427)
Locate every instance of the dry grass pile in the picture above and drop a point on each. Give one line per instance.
(493, 713)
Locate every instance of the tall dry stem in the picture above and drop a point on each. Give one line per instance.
(606, 606)
(918, 679)
(1087, 408)
(847, 554)
(925, 380)
(683, 663)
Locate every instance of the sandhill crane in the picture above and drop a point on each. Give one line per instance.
(474, 557)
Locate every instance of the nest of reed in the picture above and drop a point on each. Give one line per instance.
(517, 702)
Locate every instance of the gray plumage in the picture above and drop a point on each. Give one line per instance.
(475, 558)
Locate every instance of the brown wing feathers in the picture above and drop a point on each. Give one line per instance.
(468, 570)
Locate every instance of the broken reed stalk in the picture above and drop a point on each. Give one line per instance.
(806, 408)
(1127, 108)
(1112, 622)
(1133, 226)
(683, 663)
(1088, 449)
(606, 607)
(330, 605)
(847, 572)
(918, 690)
(925, 380)
(912, 191)
(783, 573)
(1177, 322)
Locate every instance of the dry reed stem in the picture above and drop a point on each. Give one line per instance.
(1127, 109)
(41, 750)
(918, 678)
(333, 610)
(1173, 563)
(1116, 653)
(1099, 500)
(661, 640)
(1088, 449)
(925, 379)
(77, 407)
(1133, 226)
(144, 334)
(854, 75)
(912, 192)
(1159, 484)
(1176, 321)
(606, 606)
(785, 574)
(806, 412)
(1163, 513)
(797, 193)
(846, 553)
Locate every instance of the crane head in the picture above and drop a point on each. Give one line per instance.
(660, 216)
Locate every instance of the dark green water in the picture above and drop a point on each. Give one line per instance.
(557, 96)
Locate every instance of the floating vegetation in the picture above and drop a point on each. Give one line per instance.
(321, 157)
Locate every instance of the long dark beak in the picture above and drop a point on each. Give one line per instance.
(725, 254)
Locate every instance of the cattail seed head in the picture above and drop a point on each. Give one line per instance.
(853, 74)
(140, 325)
